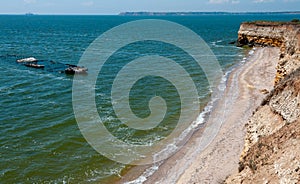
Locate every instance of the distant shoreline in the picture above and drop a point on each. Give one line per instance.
(145, 13)
(148, 13)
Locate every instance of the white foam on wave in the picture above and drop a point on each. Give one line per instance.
(252, 51)
(244, 60)
(147, 173)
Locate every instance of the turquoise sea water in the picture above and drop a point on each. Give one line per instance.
(40, 141)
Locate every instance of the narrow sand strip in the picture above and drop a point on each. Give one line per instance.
(220, 158)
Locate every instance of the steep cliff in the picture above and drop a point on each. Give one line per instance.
(272, 144)
(285, 35)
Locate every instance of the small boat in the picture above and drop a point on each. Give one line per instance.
(25, 60)
(34, 65)
(73, 69)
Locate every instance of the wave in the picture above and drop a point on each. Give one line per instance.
(146, 174)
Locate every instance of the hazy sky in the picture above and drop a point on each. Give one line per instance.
(116, 6)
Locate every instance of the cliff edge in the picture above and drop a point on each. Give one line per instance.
(285, 35)
(272, 144)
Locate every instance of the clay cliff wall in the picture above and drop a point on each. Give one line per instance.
(272, 144)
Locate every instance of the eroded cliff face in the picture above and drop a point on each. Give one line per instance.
(283, 35)
(272, 144)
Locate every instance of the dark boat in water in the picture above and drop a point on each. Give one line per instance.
(30, 62)
(73, 69)
(34, 65)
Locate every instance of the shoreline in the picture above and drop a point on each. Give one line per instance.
(220, 158)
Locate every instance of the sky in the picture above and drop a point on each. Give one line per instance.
(108, 7)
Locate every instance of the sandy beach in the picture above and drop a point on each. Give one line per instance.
(220, 159)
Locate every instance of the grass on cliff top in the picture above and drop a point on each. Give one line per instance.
(274, 23)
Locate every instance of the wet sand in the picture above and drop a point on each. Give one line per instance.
(220, 158)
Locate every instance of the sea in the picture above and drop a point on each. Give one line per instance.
(40, 140)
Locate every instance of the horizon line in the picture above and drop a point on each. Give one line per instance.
(154, 12)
